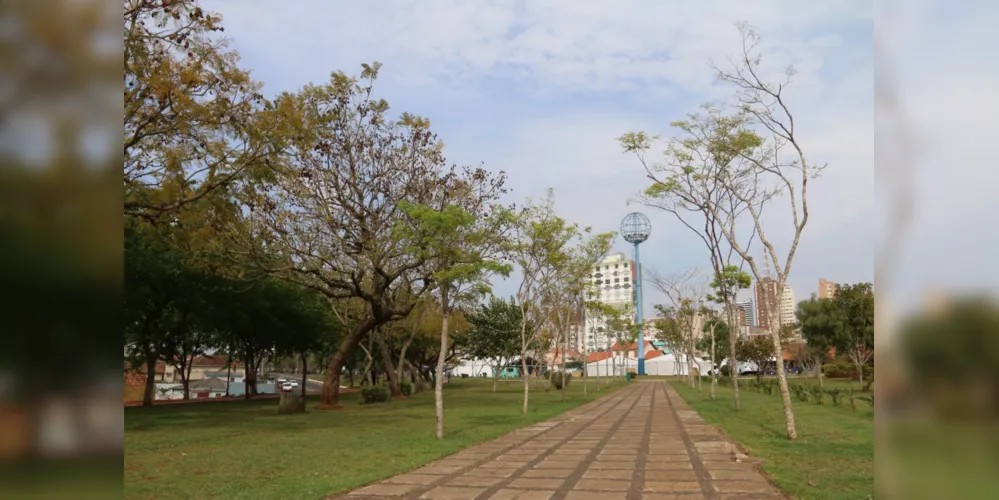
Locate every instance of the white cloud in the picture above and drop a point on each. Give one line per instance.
(542, 89)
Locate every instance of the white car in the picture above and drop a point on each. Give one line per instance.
(282, 380)
(287, 387)
(294, 383)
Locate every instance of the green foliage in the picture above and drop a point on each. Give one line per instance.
(818, 395)
(494, 329)
(845, 370)
(845, 322)
(377, 393)
(406, 387)
(727, 284)
(836, 395)
(725, 371)
(721, 336)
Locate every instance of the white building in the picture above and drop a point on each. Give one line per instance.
(613, 283)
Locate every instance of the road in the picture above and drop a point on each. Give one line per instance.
(312, 386)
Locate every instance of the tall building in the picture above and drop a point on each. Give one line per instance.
(613, 283)
(748, 311)
(781, 311)
(827, 289)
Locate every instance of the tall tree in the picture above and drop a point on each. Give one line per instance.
(332, 208)
(538, 245)
(855, 337)
(688, 184)
(818, 320)
(194, 121)
(726, 285)
(571, 282)
(461, 235)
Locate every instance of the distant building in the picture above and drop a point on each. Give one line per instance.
(827, 289)
(781, 312)
(748, 313)
(611, 282)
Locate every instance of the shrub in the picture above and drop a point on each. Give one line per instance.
(852, 397)
(800, 391)
(835, 395)
(725, 371)
(406, 387)
(769, 386)
(846, 370)
(557, 379)
(375, 394)
(819, 395)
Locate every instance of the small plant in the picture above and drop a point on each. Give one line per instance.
(836, 395)
(869, 399)
(375, 394)
(818, 395)
(852, 397)
(406, 387)
(768, 386)
(800, 392)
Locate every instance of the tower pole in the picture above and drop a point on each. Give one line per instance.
(638, 311)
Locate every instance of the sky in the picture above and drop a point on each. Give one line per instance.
(542, 90)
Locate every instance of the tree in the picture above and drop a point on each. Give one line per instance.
(717, 342)
(690, 181)
(538, 245)
(686, 293)
(818, 320)
(461, 236)
(767, 170)
(494, 333)
(726, 285)
(571, 282)
(194, 121)
(855, 335)
(331, 210)
(757, 350)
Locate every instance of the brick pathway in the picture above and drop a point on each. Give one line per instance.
(642, 442)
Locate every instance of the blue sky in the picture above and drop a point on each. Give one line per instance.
(541, 89)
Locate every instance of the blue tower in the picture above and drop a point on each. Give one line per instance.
(635, 229)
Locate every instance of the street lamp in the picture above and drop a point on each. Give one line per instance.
(635, 229)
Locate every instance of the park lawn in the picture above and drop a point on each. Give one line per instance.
(245, 450)
(834, 450)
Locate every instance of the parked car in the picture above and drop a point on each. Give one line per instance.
(282, 380)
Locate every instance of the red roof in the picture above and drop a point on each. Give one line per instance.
(653, 354)
(598, 356)
(630, 347)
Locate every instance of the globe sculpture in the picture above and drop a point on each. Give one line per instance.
(635, 229)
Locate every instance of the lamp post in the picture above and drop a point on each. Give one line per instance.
(635, 229)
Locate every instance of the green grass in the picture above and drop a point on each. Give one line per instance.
(834, 450)
(245, 450)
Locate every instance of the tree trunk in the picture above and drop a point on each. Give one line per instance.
(496, 374)
(733, 361)
(147, 394)
(330, 396)
(394, 384)
(714, 368)
(818, 371)
(439, 378)
(785, 393)
(305, 372)
(565, 350)
(527, 380)
(860, 371)
(228, 373)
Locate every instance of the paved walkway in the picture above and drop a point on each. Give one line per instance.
(642, 442)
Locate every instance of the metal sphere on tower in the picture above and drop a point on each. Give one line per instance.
(635, 227)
